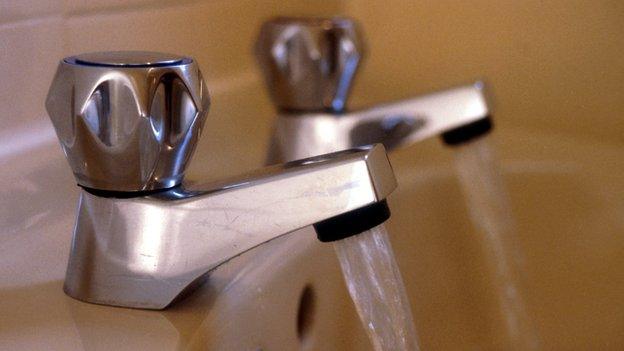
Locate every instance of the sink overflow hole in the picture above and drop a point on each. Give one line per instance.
(305, 313)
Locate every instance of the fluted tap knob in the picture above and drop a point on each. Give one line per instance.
(128, 121)
(309, 63)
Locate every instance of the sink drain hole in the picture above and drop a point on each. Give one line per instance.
(305, 313)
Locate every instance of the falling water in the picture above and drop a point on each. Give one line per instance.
(376, 287)
(483, 187)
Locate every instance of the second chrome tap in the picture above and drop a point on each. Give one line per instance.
(309, 65)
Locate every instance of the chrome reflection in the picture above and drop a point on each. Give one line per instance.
(143, 252)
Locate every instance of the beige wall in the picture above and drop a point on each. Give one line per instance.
(556, 64)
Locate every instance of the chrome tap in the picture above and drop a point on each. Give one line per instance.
(128, 123)
(309, 65)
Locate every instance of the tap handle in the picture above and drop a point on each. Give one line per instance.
(128, 121)
(309, 63)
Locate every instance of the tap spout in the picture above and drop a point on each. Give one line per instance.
(143, 252)
(394, 124)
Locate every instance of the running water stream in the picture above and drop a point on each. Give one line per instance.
(375, 284)
(490, 210)
(376, 287)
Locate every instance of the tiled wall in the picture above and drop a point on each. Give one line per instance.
(35, 34)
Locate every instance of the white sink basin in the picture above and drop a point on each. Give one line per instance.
(288, 294)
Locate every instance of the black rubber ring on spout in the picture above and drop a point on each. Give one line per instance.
(124, 194)
(353, 222)
(467, 132)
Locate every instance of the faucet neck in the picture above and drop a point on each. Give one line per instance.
(143, 252)
(457, 114)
